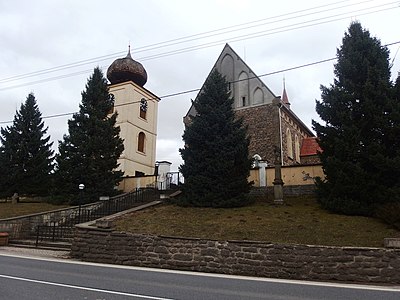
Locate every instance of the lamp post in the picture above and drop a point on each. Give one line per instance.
(81, 187)
(278, 182)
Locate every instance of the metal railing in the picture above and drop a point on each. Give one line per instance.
(61, 228)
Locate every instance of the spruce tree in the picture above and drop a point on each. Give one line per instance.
(89, 153)
(361, 123)
(216, 158)
(26, 155)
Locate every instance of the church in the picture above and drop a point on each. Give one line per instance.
(276, 133)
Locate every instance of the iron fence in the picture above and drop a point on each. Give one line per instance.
(61, 228)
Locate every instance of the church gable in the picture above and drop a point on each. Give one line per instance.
(246, 88)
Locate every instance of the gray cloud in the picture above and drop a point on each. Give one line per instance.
(37, 35)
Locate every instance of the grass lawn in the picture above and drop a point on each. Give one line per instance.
(299, 220)
(8, 210)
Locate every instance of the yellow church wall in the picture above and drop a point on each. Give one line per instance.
(129, 184)
(291, 175)
(254, 176)
(127, 104)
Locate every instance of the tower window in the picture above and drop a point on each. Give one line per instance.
(143, 114)
(143, 108)
(141, 142)
(243, 101)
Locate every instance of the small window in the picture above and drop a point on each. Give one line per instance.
(141, 142)
(143, 114)
(243, 101)
(143, 108)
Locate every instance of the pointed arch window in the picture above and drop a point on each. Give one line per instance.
(297, 148)
(289, 144)
(258, 96)
(141, 142)
(244, 89)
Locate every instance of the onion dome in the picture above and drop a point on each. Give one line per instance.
(127, 69)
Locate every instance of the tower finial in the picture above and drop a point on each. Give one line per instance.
(129, 50)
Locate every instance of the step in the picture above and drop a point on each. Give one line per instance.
(45, 245)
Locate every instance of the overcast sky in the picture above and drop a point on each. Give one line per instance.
(51, 47)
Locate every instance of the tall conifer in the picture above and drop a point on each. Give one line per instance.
(216, 158)
(26, 155)
(89, 153)
(361, 120)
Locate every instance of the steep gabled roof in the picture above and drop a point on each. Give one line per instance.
(286, 107)
(228, 49)
(310, 146)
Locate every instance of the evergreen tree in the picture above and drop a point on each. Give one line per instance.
(216, 159)
(89, 153)
(26, 156)
(360, 137)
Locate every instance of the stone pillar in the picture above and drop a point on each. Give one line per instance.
(278, 182)
(278, 185)
(262, 174)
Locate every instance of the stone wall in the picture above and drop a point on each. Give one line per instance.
(366, 265)
(310, 160)
(262, 122)
(262, 128)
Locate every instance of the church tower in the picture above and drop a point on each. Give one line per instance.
(137, 116)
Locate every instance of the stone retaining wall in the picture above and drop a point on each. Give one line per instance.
(25, 226)
(366, 265)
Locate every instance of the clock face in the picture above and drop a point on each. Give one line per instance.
(143, 104)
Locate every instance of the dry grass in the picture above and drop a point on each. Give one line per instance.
(299, 220)
(8, 210)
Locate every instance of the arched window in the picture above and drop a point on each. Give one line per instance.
(143, 108)
(141, 142)
(143, 114)
(258, 96)
(297, 147)
(243, 89)
(289, 143)
(227, 71)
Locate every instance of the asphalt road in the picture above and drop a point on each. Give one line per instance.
(24, 278)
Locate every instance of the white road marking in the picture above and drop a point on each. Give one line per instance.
(83, 288)
(214, 275)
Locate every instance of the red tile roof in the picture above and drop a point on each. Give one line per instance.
(310, 146)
